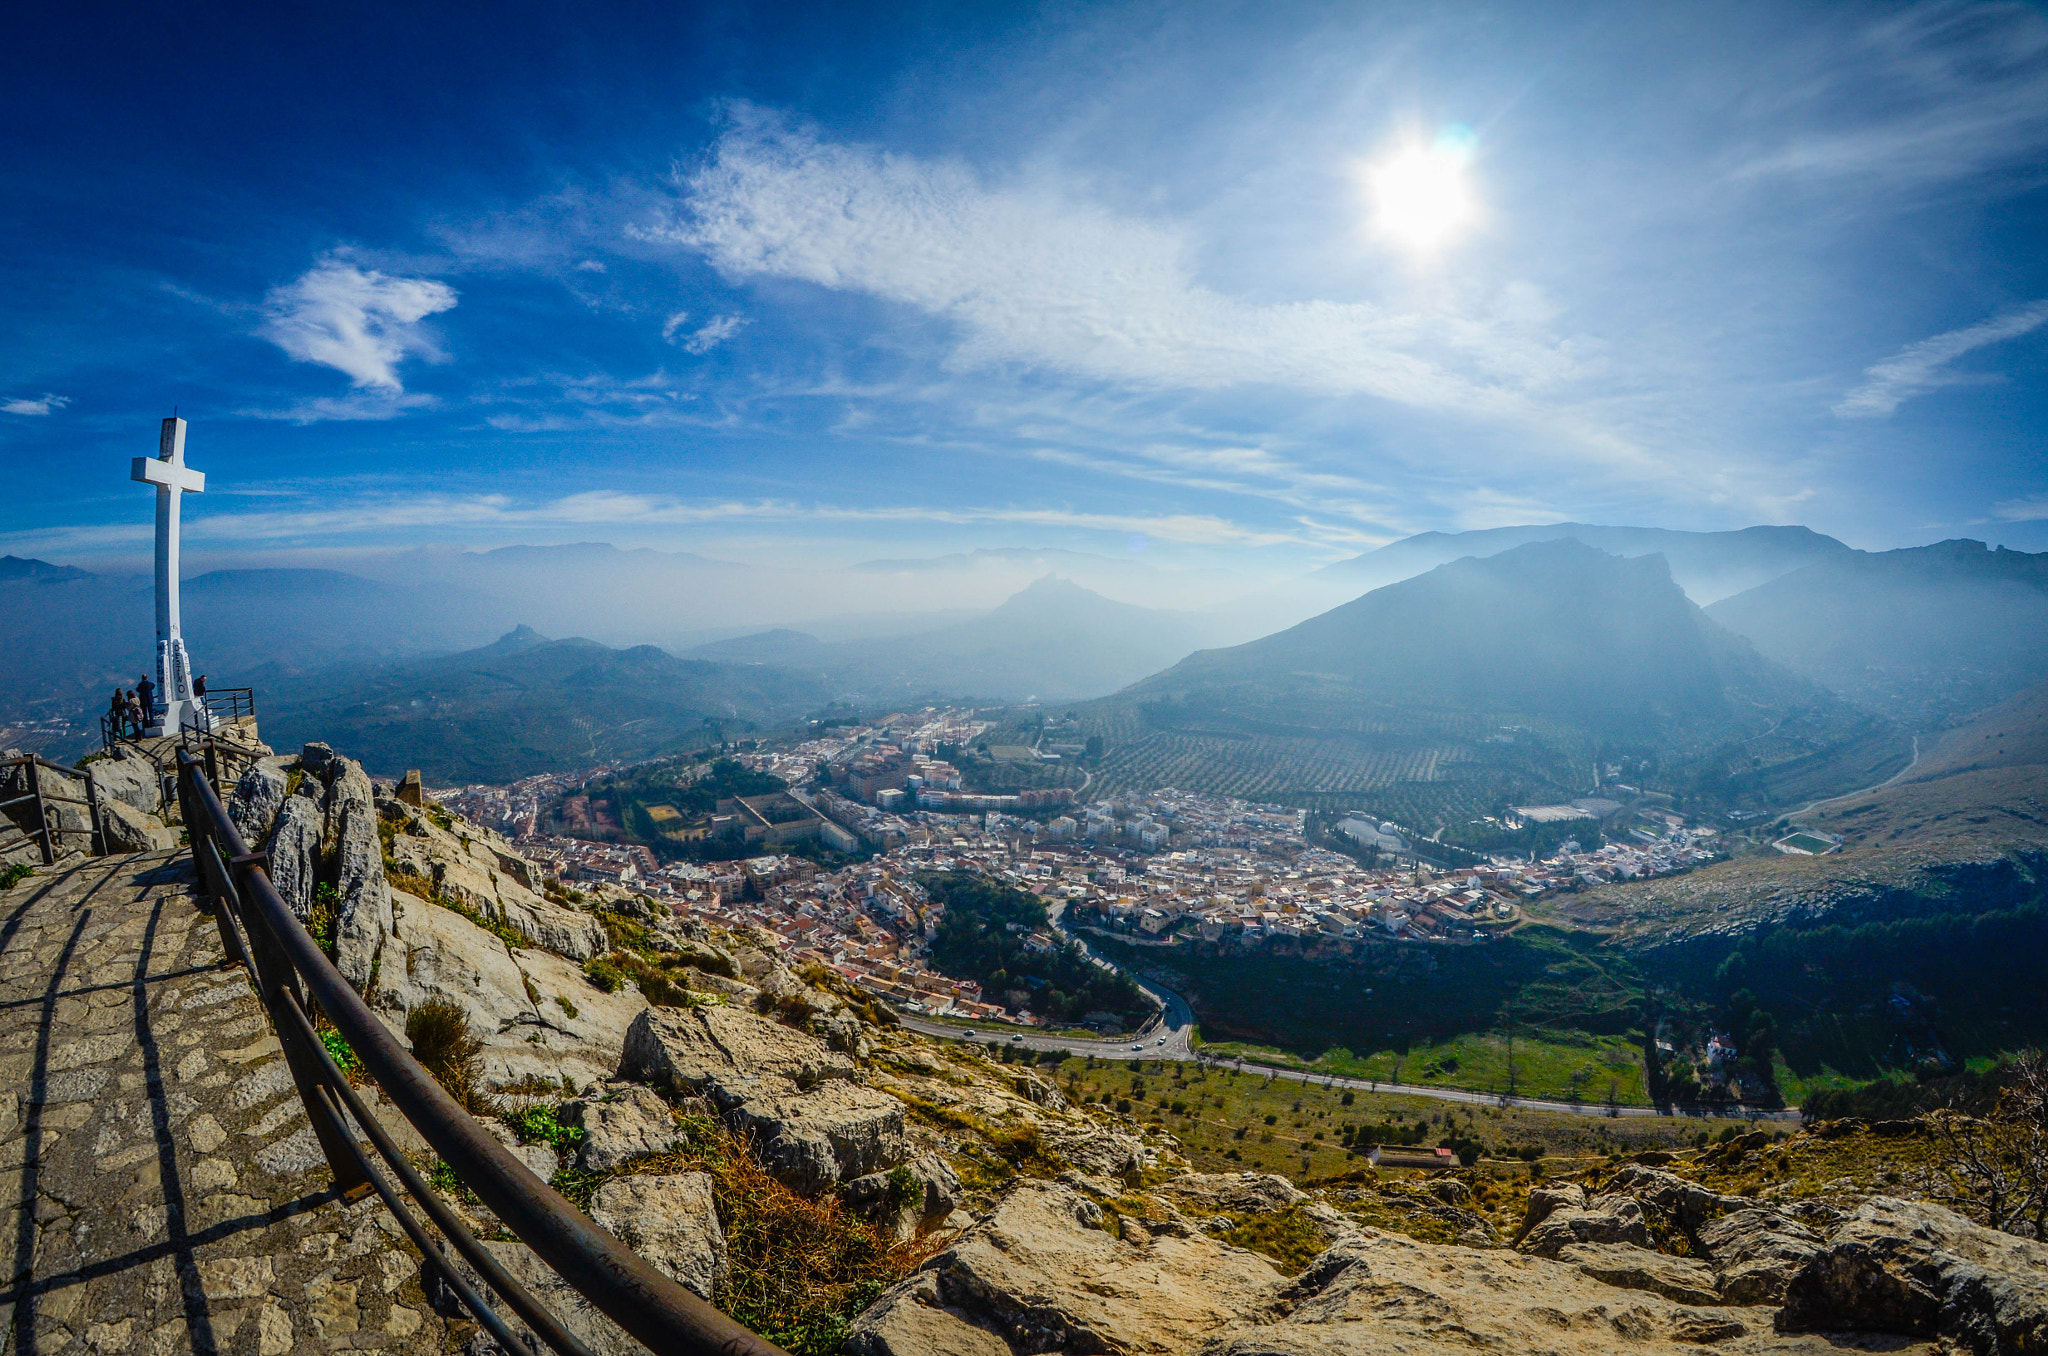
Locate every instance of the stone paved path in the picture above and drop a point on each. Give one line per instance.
(168, 1193)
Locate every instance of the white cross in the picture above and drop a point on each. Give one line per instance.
(172, 478)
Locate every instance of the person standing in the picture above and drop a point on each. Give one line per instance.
(117, 714)
(134, 708)
(145, 692)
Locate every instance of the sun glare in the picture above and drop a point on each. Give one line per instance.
(1421, 196)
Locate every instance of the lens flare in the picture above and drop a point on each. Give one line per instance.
(1421, 194)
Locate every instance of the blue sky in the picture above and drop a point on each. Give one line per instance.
(821, 284)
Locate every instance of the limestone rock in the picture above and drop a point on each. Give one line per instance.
(254, 803)
(1757, 1252)
(123, 828)
(1633, 1268)
(624, 1123)
(1038, 1092)
(131, 779)
(671, 1221)
(687, 1049)
(933, 1195)
(912, 1320)
(363, 918)
(1243, 1193)
(1038, 1276)
(1686, 1204)
(1916, 1269)
(814, 1139)
(314, 758)
(1605, 1219)
(1384, 1294)
(512, 999)
(295, 854)
(1097, 1150)
(474, 868)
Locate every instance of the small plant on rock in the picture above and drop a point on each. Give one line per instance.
(444, 1045)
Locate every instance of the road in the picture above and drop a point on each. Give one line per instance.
(1170, 1035)
(1898, 776)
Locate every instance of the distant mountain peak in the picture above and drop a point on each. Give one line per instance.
(27, 569)
(520, 637)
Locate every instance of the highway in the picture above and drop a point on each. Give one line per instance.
(1170, 1035)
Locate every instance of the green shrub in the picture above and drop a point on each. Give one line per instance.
(15, 873)
(321, 921)
(601, 972)
(539, 1124)
(343, 1055)
(568, 1008)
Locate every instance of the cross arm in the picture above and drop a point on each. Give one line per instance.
(153, 472)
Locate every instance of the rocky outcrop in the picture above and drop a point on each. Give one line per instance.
(128, 777)
(123, 828)
(904, 1202)
(692, 1050)
(812, 1125)
(258, 795)
(672, 1221)
(363, 919)
(478, 870)
(1756, 1253)
(1040, 1274)
(1906, 1267)
(1385, 1294)
(813, 1139)
(1561, 1217)
(1633, 1268)
(622, 1125)
(295, 853)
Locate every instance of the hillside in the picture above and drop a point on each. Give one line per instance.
(1925, 634)
(1053, 640)
(527, 704)
(1498, 679)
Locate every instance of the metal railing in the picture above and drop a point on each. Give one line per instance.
(47, 831)
(295, 982)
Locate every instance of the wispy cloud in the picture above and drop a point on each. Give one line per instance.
(1923, 367)
(361, 323)
(43, 404)
(362, 405)
(2032, 509)
(374, 516)
(1033, 278)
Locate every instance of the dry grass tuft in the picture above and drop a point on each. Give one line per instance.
(445, 1046)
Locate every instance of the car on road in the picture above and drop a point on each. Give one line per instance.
(1015, 1039)
(970, 1035)
(1139, 1046)
(1160, 1041)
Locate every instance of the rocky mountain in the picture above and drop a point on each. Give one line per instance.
(1553, 632)
(1707, 565)
(1053, 640)
(1924, 634)
(527, 704)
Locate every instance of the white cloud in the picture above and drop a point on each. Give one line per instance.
(45, 404)
(360, 323)
(371, 404)
(713, 333)
(1035, 279)
(1922, 367)
(2032, 509)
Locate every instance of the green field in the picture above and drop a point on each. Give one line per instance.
(1591, 1069)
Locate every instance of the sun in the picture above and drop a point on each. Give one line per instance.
(1421, 194)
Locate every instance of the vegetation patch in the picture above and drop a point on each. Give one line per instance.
(446, 1048)
(995, 935)
(1290, 1238)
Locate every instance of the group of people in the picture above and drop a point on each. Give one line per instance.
(134, 711)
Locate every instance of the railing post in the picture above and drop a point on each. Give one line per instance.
(35, 787)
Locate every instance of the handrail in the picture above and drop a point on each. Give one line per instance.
(282, 956)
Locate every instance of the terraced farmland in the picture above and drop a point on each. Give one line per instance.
(1265, 767)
